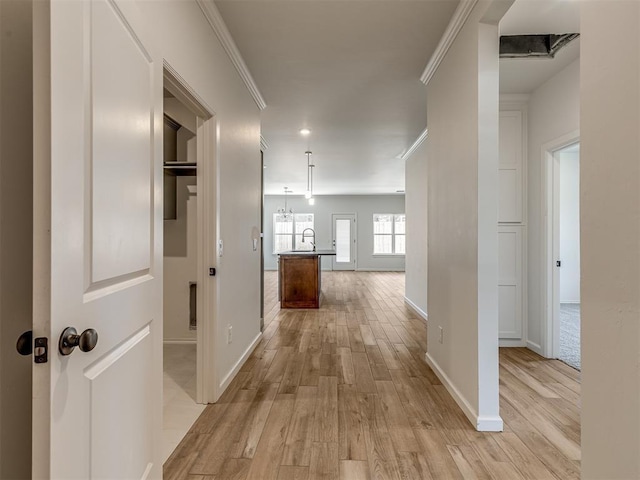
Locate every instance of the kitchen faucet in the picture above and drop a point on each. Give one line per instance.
(313, 235)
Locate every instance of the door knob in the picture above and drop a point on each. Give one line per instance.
(24, 345)
(70, 339)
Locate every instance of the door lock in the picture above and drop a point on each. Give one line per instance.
(26, 345)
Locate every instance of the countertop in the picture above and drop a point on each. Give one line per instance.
(309, 253)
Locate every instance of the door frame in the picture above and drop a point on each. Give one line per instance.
(354, 236)
(550, 277)
(207, 177)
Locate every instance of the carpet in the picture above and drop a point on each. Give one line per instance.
(570, 334)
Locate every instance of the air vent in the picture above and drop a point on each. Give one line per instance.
(540, 46)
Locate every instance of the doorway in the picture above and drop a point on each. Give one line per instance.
(344, 241)
(563, 250)
(189, 288)
(567, 166)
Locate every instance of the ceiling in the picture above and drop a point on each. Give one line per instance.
(349, 70)
(523, 75)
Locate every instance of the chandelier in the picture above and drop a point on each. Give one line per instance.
(284, 212)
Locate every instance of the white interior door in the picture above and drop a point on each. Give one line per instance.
(344, 241)
(97, 241)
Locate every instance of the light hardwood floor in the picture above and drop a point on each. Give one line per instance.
(343, 392)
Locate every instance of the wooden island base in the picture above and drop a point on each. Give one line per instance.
(300, 285)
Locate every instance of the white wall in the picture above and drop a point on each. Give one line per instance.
(416, 209)
(192, 48)
(364, 206)
(569, 227)
(554, 110)
(16, 146)
(462, 175)
(610, 223)
(180, 264)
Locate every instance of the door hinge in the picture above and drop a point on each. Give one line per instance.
(558, 263)
(212, 271)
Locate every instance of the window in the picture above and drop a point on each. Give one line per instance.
(388, 234)
(287, 232)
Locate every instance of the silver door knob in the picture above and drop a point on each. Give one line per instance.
(70, 339)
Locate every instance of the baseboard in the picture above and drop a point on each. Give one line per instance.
(416, 309)
(490, 424)
(236, 368)
(482, 424)
(511, 342)
(365, 269)
(535, 347)
(180, 341)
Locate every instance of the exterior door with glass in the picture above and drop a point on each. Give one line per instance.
(344, 241)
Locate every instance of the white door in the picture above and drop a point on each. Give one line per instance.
(344, 241)
(97, 241)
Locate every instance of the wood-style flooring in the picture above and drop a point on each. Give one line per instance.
(343, 392)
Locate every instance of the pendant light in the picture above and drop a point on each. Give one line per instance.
(309, 193)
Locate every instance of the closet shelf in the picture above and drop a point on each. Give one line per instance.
(180, 168)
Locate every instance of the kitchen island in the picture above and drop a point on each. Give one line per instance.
(300, 278)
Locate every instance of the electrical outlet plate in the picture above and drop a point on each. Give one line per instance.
(229, 334)
(441, 334)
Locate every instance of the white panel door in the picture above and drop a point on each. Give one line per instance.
(344, 241)
(98, 241)
(510, 178)
(510, 279)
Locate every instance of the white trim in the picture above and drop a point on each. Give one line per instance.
(467, 409)
(180, 341)
(455, 25)
(421, 138)
(236, 368)
(517, 100)
(179, 88)
(212, 14)
(490, 424)
(548, 349)
(482, 424)
(511, 342)
(263, 144)
(147, 471)
(416, 309)
(535, 347)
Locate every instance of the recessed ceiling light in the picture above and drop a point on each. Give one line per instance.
(305, 131)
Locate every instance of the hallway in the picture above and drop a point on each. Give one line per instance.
(344, 392)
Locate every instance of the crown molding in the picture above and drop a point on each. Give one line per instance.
(455, 25)
(212, 14)
(415, 145)
(263, 144)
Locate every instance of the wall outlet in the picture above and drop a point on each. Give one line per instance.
(440, 334)
(229, 334)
